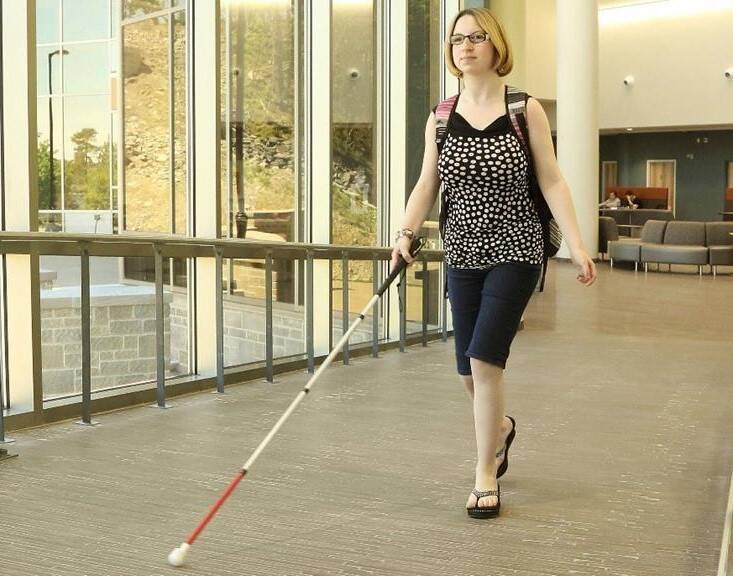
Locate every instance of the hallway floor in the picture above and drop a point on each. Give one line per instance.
(623, 395)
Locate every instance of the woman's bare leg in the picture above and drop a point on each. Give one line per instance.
(506, 424)
(488, 413)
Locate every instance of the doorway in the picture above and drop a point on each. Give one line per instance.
(728, 194)
(663, 174)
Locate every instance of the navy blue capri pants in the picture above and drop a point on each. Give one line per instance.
(487, 306)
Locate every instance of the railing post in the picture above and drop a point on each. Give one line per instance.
(375, 310)
(159, 328)
(4, 454)
(3, 439)
(345, 304)
(268, 317)
(309, 347)
(86, 340)
(403, 308)
(425, 301)
(219, 320)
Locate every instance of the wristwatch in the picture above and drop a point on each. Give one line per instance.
(404, 232)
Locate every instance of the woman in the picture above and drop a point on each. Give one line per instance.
(493, 235)
(612, 201)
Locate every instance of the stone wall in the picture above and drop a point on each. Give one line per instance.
(244, 329)
(122, 334)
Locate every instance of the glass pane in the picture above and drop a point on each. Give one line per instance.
(414, 298)
(114, 147)
(88, 222)
(424, 45)
(86, 152)
(46, 84)
(47, 21)
(178, 358)
(122, 324)
(435, 299)
(86, 69)
(60, 326)
(49, 222)
(115, 44)
(354, 196)
(226, 151)
(115, 12)
(244, 312)
(134, 8)
(179, 127)
(353, 191)
(360, 291)
(259, 105)
(424, 52)
(139, 321)
(147, 137)
(86, 20)
(176, 315)
(49, 172)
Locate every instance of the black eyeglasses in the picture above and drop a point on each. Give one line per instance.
(474, 38)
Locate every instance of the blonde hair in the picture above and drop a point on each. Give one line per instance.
(491, 25)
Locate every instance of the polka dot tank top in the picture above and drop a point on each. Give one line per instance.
(491, 217)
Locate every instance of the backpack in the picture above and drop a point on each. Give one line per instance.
(516, 105)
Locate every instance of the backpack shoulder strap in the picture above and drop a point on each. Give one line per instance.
(516, 104)
(443, 112)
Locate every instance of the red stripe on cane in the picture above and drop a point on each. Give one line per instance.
(215, 508)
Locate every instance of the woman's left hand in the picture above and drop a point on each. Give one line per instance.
(586, 267)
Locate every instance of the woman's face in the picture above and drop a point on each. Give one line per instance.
(472, 58)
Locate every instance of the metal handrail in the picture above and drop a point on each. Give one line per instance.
(162, 246)
(66, 244)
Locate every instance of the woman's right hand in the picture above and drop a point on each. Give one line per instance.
(401, 248)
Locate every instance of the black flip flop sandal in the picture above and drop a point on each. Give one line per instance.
(485, 511)
(509, 439)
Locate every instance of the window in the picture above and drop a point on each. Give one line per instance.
(355, 200)
(261, 187)
(75, 143)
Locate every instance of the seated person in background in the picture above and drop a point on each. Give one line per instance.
(631, 201)
(612, 201)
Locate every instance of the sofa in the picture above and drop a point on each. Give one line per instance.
(638, 217)
(607, 231)
(719, 238)
(630, 250)
(683, 243)
(678, 242)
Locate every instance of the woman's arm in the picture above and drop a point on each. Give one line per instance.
(425, 191)
(423, 194)
(555, 189)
